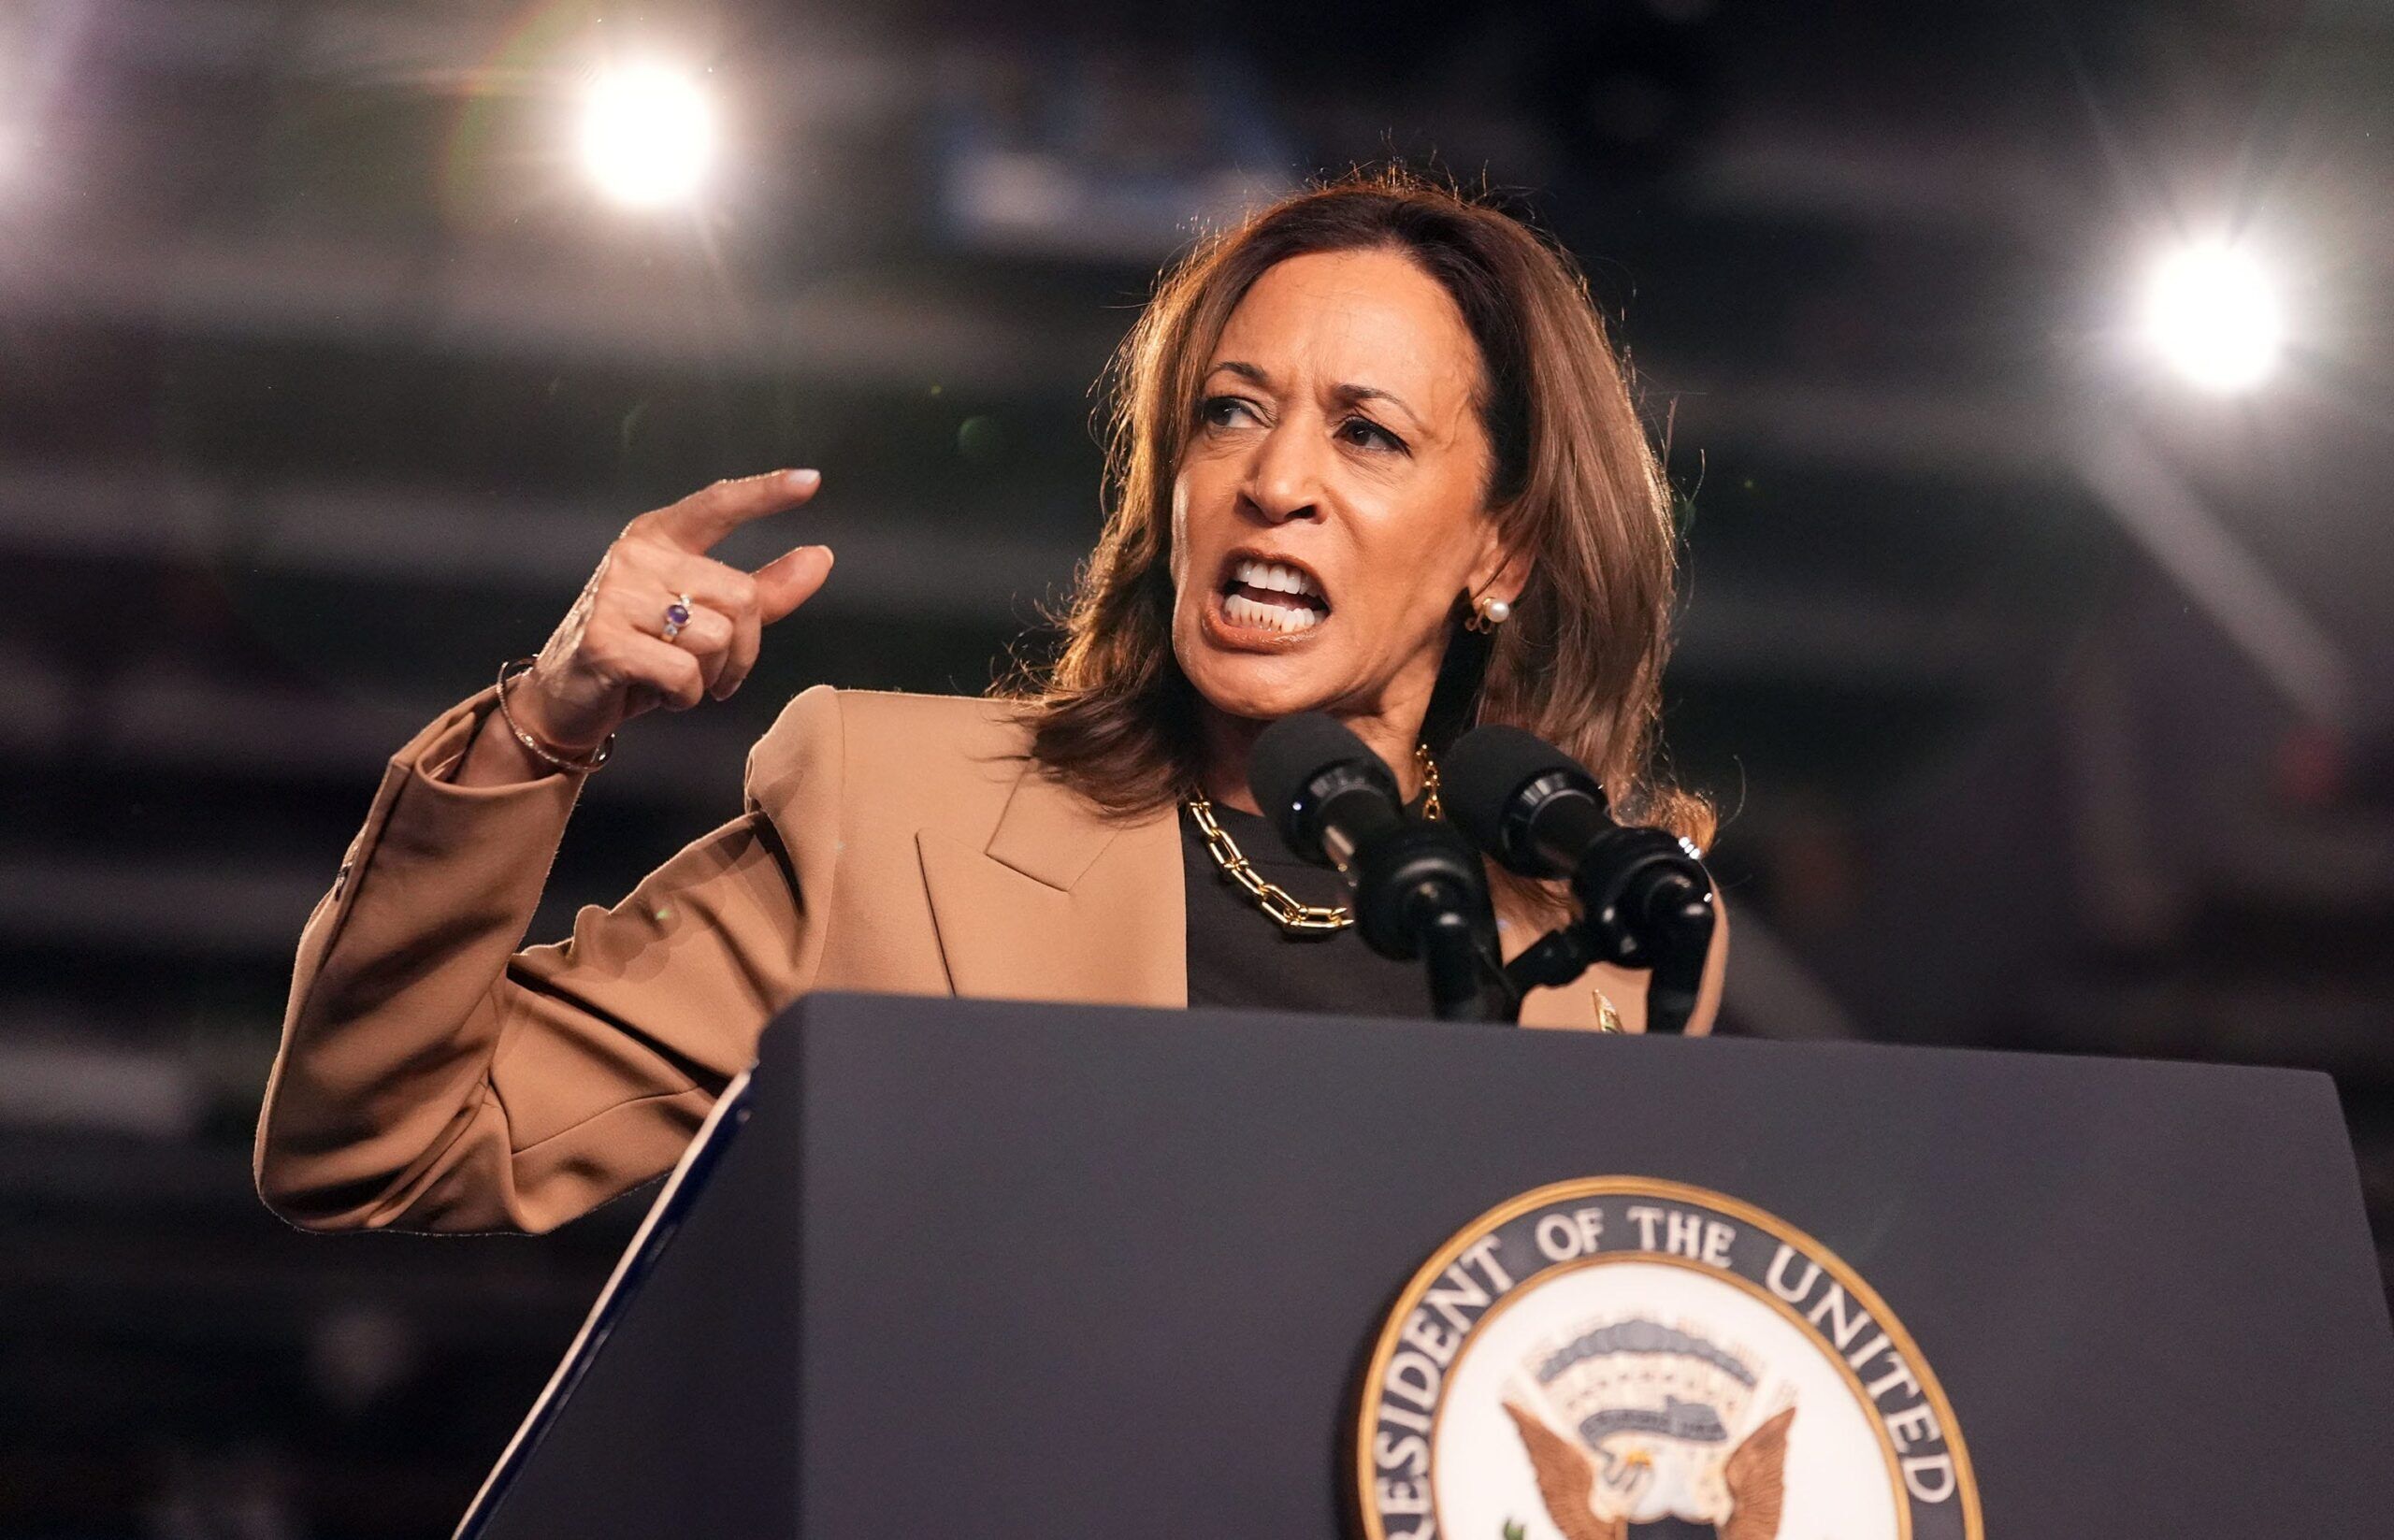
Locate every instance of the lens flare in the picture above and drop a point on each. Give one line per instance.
(2214, 315)
(648, 134)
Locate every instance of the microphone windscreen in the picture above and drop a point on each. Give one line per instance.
(1291, 753)
(1487, 767)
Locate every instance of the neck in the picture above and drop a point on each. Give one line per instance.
(1228, 741)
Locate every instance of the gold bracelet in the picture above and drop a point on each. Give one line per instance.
(532, 746)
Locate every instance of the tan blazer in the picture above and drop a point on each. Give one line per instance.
(433, 1076)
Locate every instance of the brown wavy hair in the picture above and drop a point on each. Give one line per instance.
(1576, 486)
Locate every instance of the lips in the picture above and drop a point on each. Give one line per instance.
(1271, 595)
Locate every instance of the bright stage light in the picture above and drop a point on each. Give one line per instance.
(647, 135)
(2212, 314)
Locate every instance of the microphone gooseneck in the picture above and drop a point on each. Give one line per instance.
(1644, 901)
(1420, 890)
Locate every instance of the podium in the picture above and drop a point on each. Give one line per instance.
(957, 1268)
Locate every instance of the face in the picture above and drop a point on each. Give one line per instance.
(1329, 507)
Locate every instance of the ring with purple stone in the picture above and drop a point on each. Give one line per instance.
(677, 614)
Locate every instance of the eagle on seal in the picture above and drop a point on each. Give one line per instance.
(1754, 1473)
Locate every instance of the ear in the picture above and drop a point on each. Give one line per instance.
(1503, 570)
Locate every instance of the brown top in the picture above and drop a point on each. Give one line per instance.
(433, 1076)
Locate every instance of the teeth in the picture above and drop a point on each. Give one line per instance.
(1278, 579)
(1242, 611)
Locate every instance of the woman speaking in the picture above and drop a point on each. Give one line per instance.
(1372, 455)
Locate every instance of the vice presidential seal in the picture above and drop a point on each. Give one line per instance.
(1621, 1358)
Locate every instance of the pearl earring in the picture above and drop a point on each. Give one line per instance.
(1489, 613)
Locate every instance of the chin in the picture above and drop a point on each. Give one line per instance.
(1259, 686)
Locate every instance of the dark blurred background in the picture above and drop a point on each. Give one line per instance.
(2035, 643)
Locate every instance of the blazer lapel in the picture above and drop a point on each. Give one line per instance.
(1062, 903)
(1577, 1004)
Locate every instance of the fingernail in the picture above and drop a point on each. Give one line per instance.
(805, 478)
(828, 559)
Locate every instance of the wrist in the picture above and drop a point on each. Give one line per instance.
(536, 711)
(519, 712)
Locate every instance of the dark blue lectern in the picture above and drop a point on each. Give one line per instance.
(1003, 1270)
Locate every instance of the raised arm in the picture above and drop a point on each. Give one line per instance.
(432, 1076)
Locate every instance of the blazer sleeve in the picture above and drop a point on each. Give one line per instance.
(1716, 975)
(431, 1076)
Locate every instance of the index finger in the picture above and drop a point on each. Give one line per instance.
(704, 517)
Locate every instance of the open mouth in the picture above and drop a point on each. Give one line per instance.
(1272, 596)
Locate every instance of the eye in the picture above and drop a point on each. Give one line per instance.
(1362, 432)
(1226, 411)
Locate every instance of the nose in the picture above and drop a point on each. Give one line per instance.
(1284, 480)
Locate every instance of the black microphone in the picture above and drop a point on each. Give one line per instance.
(1527, 803)
(1419, 890)
(1323, 789)
(1645, 901)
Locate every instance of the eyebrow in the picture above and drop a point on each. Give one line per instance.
(1348, 394)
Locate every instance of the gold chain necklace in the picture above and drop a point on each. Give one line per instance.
(1276, 900)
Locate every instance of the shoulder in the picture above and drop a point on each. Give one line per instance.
(926, 752)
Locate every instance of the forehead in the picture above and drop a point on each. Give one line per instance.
(1356, 318)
